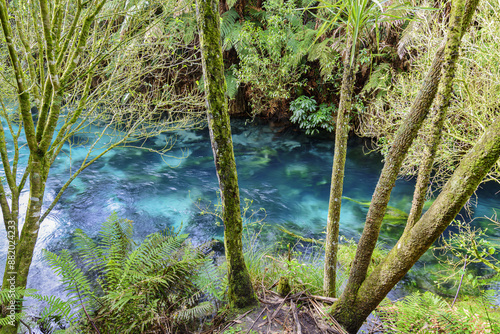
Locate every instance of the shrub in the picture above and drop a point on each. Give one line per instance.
(308, 116)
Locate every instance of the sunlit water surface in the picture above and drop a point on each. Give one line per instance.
(286, 173)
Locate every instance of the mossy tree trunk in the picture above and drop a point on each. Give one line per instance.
(17, 271)
(443, 101)
(240, 290)
(338, 168)
(416, 241)
(358, 298)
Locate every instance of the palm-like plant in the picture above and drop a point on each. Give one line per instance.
(354, 16)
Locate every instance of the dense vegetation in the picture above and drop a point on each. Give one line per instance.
(122, 72)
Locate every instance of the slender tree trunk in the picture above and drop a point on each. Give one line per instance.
(29, 234)
(337, 183)
(343, 310)
(240, 290)
(443, 102)
(346, 310)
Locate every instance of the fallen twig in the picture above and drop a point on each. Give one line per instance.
(255, 321)
(298, 329)
(315, 321)
(279, 308)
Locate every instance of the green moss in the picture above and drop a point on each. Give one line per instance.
(283, 287)
(240, 290)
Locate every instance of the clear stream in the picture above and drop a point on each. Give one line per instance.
(286, 173)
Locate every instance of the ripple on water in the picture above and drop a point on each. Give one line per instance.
(287, 174)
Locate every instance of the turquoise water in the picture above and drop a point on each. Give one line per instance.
(284, 172)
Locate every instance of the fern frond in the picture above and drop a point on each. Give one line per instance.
(198, 311)
(209, 279)
(154, 281)
(67, 310)
(156, 250)
(232, 84)
(260, 15)
(380, 79)
(116, 236)
(76, 284)
(7, 295)
(413, 30)
(8, 320)
(228, 20)
(89, 251)
(327, 57)
(116, 242)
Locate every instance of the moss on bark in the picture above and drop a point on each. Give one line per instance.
(362, 294)
(451, 53)
(338, 168)
(240, 290)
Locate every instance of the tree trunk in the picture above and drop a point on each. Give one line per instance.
(337, 183)
(415, 242)
(347, 310)
(343, 310)
(29, 234)
(240, 290)
(443, 102)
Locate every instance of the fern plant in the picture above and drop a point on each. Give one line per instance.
(7, 300)
(123, 288)
(272, 49)
(429, 313)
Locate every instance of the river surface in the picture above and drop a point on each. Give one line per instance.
(285, 172)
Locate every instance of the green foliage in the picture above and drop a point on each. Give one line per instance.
(137, 289)
(330, 63)
(471, 243)
(468, 255)
(380, 81)
(230, 27)
(476, 92)
(232, 84)
(5, 321)
(308, 116)
(428, 313)
(271, 46)
(6, 296)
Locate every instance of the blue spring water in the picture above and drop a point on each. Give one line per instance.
(286, 173)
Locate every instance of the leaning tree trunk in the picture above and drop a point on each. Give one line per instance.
(240, 290)
(415, 242)
(346, 309)
(337, 183)
(443, 102)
